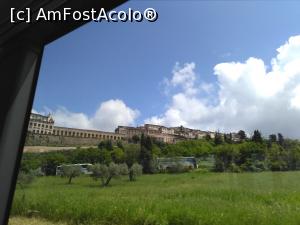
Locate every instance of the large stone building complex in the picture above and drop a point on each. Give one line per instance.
(83, 133)
(162, 133)
(40, 124)
(44, 125)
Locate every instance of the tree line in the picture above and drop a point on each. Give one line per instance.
(256, 153)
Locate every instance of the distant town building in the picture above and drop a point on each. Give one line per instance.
(162, 133)
(40, 124)
(84, 133)
(44, 125)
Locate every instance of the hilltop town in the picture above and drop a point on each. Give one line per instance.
(45, 125)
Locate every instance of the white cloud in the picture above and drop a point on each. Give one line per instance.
(183, 77)
(249, 96)
(107, 117)
(65, 118)
(113, 113)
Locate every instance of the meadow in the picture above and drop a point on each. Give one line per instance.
(194, 198)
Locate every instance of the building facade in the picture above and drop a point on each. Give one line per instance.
(83, 133)
(44, 125)
(162, 133)
(39, 124)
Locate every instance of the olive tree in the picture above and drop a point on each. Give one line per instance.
(70, 171)
(106, 173)
(134, 171)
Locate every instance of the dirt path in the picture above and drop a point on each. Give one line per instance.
(38, 149)
(31, 221)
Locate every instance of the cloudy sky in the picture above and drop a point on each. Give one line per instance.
(205, 65)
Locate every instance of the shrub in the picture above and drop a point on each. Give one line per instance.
(106, 173)
(135, 170)
(70, 171)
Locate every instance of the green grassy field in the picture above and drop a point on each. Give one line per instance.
(181, 199)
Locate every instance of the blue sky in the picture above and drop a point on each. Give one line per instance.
(136, 62)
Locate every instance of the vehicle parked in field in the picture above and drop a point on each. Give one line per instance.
(166, 164)
(83, 167)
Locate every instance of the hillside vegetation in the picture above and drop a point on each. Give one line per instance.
(255, 154)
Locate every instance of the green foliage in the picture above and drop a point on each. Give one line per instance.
(120, 145)
(132, 154)
(228, 138)
(277, 158)
(280, 139)
(248, 156)
(51, 161)
(106, 145)
(87, 155)
(105, 156)
(218, 138)
(99, 171)
(118, 155)
(106, 173)
(123, 169)
(256, 154)
(257, 137)
(207, 137)
(146, 156)
(135, 139)
(196, 148)
(242, 135)
(225, 155)
(134, 171)
(29, 162)
(70, 171)
(272, 138)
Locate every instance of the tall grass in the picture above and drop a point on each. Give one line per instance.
(180, 199)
